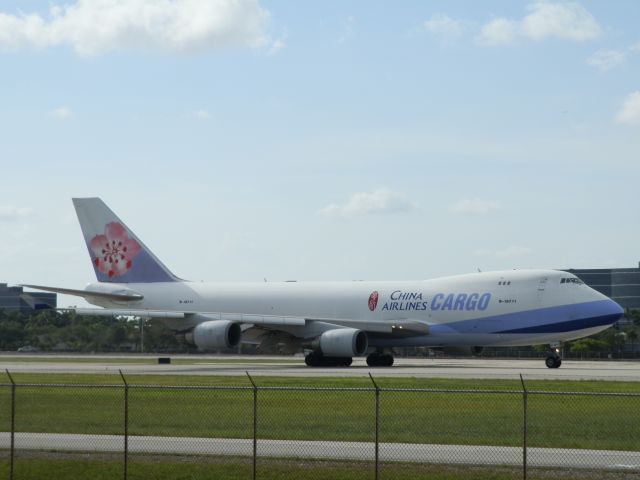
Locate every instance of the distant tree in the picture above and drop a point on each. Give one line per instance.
(12, 334)
(632, 335)
(50, 329)
(588, 345)
(634, 316)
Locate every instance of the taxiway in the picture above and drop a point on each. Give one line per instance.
(218, 365)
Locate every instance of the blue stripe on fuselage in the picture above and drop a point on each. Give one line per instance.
(568, 326)
(564, 318)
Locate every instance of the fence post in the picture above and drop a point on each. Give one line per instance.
(524, 427)
(377, 437)
(255, 424)
(13, 424)
(126, 425)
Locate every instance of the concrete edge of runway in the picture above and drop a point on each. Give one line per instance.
(484, 455)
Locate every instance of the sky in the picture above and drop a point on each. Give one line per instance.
(335, 140)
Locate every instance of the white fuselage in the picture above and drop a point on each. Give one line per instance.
(518, 307)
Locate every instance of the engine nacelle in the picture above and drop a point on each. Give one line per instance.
(215, 334)
(463, 351)
(342, 342)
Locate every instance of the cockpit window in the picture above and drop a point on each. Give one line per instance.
(572, 280)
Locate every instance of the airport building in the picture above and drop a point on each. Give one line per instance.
(619, 284)
(15, 299)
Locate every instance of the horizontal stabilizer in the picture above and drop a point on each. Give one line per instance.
(117, 296)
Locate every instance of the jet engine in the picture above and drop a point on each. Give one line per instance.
(463, 351)
(215, 334)
(342, 342)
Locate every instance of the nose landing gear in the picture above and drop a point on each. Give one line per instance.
(553, 359)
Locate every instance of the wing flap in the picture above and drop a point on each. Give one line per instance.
(405, 327)
(109, 312)
(271, 320)
(253, 319)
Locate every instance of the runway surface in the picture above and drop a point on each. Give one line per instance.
(294, 367)
(326, 450)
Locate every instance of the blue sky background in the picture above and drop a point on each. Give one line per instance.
(324, 141)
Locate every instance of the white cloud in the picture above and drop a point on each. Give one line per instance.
(629, 113)
(566, 21)
(10, 214)
(97, 26)
(508, 252)
(499, 31)
(366, 203)
(605, 60)
(475, 206)
(61, 113)
(276, 46)
(443, 27)
(202, 115)
(635, 48)
(569, 21)
(347, 29)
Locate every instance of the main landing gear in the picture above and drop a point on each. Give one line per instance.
(375, 359)
(316, 359)
(379, 359)
(553, 359)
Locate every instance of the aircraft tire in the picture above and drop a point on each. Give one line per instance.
(379, 360)
(338, 361)
(387, 360)
(553, 362)
(373, 359)
(313, 360)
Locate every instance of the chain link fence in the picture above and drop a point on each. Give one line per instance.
(127, 430)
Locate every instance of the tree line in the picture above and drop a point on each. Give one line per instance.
(50, 331)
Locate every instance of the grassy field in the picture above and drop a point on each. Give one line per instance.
(143, 360)
(187, 468)
(453, 417)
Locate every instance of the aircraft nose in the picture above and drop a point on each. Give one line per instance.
(615, 310)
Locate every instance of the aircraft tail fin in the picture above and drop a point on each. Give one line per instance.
(116, 253)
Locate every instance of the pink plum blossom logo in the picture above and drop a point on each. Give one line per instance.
(373, 301)
(114, 250)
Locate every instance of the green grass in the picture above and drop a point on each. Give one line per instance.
(313, 381)
(181, 360)
(555, 420)
(188, 468)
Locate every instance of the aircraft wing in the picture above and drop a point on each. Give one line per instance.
(401, 326)
(273, 320)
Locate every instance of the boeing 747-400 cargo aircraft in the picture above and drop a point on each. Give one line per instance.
(335, 321)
